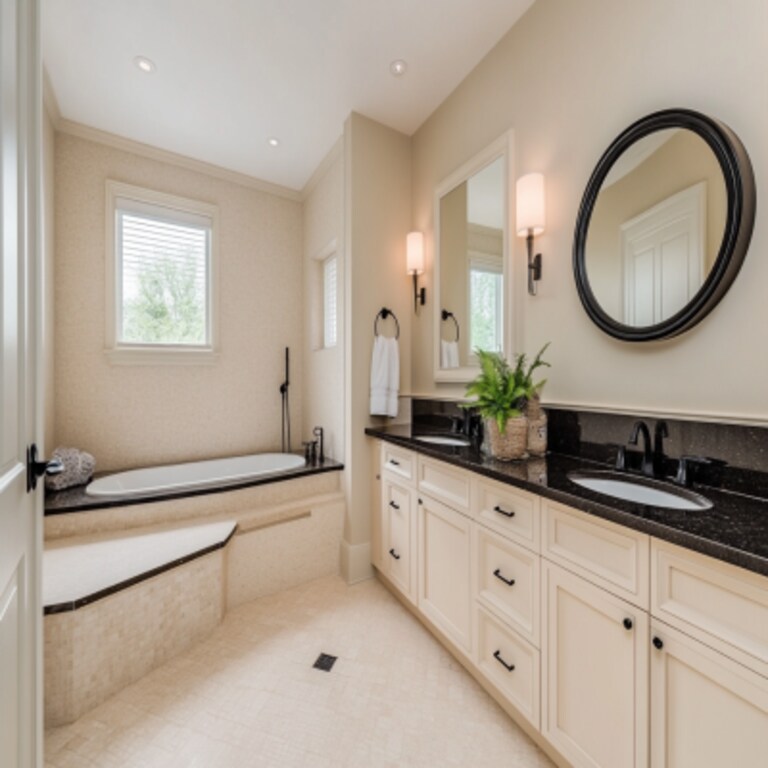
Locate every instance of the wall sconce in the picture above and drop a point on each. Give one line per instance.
(531, 220)
(415, 264)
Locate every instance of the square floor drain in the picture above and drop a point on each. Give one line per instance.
(325, 661)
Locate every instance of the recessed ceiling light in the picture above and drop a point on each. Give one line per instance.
(273, 142)
(145, 64)
(398, 67)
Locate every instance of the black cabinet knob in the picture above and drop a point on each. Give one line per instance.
(628, 624)
(658, 643)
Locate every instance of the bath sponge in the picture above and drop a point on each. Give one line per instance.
(78, 469)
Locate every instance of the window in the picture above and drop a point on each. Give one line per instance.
(161, 294)
(485, 302)
(329, 302)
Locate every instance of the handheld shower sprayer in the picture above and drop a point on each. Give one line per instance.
(286, 409)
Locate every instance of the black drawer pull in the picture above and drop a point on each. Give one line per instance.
(627, 623)
(504, 512)
(508, 582)
(658, 643)
(394, 554)
(394, 462)
(508, 667)
(393, 505)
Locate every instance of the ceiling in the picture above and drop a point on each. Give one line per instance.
(232, 73)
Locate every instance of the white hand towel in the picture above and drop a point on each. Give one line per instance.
(385, 376)
(449, 354)
(393, 369)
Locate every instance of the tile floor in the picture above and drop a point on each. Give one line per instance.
(248, 696)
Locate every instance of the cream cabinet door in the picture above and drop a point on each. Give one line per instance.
(595, 675)
(707, 711)
(444, 570)
(398, 537)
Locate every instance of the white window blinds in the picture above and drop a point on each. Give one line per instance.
(329, 302)
(163, 270)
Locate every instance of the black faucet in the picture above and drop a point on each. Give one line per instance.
(641, 428)
(659, 433)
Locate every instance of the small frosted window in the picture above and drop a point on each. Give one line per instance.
(330, 315)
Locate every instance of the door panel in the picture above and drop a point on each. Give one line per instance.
(19, 531)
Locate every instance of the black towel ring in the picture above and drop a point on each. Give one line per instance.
(445, 314)
(384, 313)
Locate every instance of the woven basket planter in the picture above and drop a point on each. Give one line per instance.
(537, 427)
(512, 443)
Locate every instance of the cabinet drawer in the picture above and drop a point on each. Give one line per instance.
(720, 604)
(398, 463)
(499, 562)
(498, 649)
(509, 512)
(444, 483)
(398, 537)
(606, 554)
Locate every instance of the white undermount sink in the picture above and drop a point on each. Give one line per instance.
(639, 490)
(458, 442)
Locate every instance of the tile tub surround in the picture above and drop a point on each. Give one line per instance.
(93, 652)
(81, 571)
(249, 696)
(288, 532)
(734, 530)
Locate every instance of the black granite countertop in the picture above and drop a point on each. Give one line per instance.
(75, 499)
(734, 530)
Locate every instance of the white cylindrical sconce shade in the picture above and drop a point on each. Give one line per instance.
(414, 246)
(530, 205)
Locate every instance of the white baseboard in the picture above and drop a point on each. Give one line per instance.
(356, 562)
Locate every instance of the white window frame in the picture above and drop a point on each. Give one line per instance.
(317, 287)
(122, 353)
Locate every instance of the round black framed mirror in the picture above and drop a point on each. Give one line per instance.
(664, 225)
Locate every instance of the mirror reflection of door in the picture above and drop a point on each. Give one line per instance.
(656, 227)
(663, 255)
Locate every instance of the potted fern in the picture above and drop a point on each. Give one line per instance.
(500, 392)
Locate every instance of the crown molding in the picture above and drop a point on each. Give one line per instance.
(72, 128)
(323, 168)
(50, 102)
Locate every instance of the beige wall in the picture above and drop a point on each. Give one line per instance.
(140, 415)
(568, 78)
(47, 318)
(323, 226)
(377, 219)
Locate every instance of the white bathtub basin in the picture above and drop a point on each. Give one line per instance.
(193, 474)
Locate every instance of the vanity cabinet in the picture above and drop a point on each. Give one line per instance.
(398, 538)
(396, 522)
(706, 709)
(444, 570)
(595, 677)
(623, 651)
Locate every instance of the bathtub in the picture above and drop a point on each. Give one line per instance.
(193, 474)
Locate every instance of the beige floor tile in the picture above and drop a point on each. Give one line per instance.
(248, 696)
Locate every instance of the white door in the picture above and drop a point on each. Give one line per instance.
(20, 620)
(595, 676)
(663, 261)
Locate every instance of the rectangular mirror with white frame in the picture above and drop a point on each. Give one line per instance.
(472, 275)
